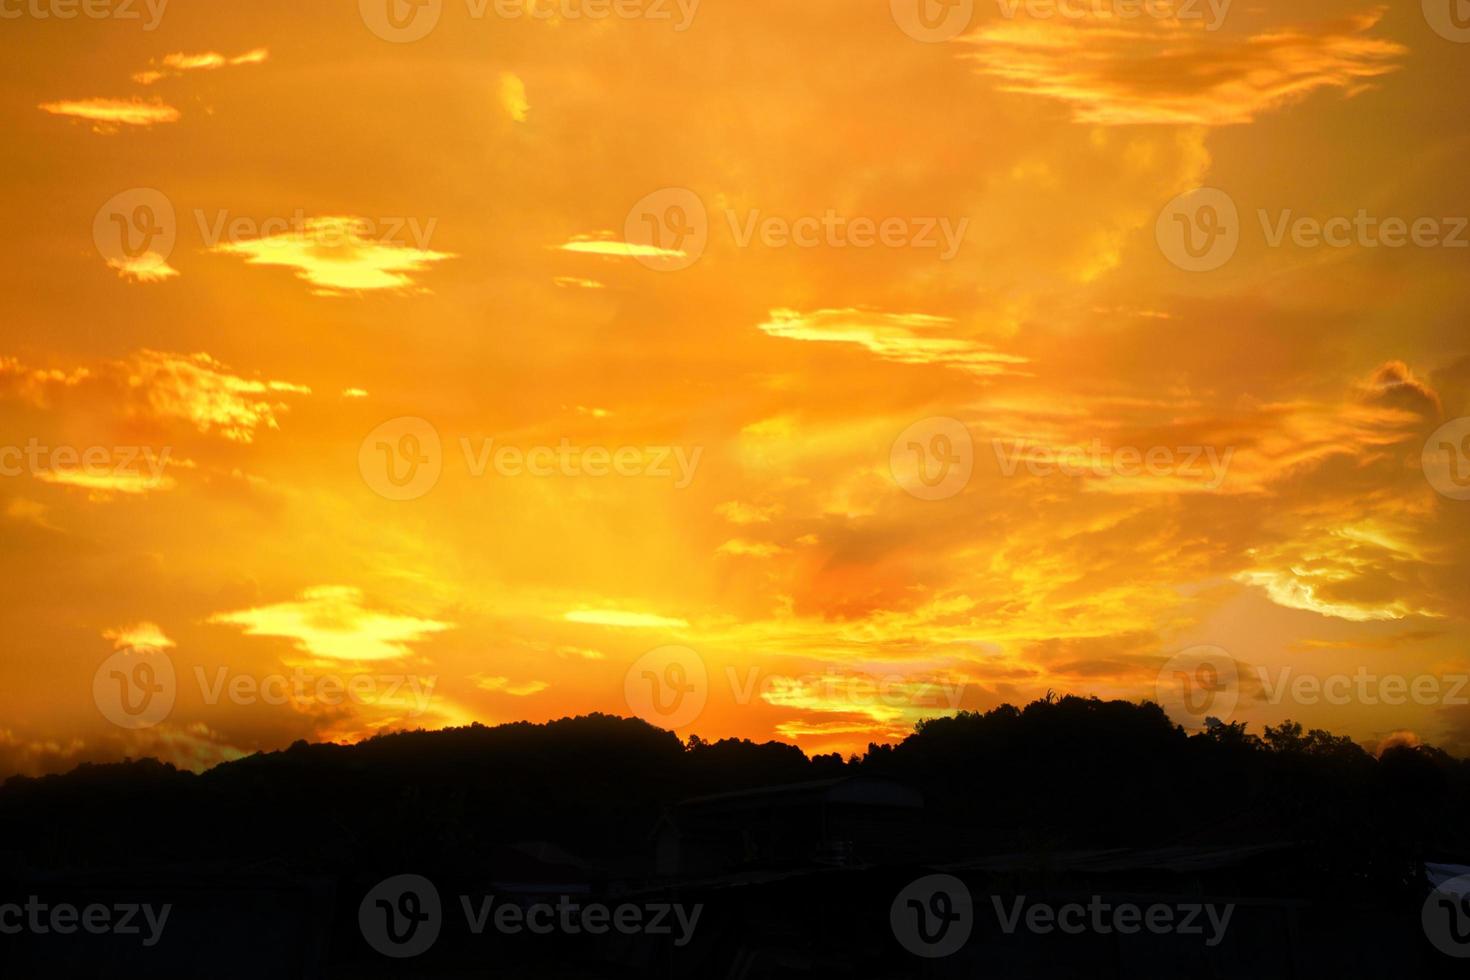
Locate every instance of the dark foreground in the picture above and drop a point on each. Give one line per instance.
(1073, 838)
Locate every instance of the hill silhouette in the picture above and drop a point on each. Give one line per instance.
(1061, 772)
(615, 805)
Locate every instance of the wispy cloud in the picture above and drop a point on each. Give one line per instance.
(158, 385)
(333, 254)
(1116, 73)
(332, 623)
(109, 115)
(606, 243)
(179, 62)
(908, 338)
(504, 685)
(513, 97)
(149, 267)
(628, 620)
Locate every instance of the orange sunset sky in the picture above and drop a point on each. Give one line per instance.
(283, 271)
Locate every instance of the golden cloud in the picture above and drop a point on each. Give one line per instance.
(1178, 72)
(907, 338)
(107, 115)
(179, 62)
(335, 254)
(331, 623)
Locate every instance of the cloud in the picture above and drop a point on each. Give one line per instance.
(101, 486)
(201, 390)
(159, 385)
(179, 62)
(513, 97)
(194, 747)
(504, 685)
(149, 267)
(738, 512)
(334, 254)
(1146, 71)
(741, 547)
(108, 115)
(605, 243)
(897, 337)
(145, 635)
(331, 623)
(627, 620)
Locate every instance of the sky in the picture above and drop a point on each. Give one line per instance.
(766, 370)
